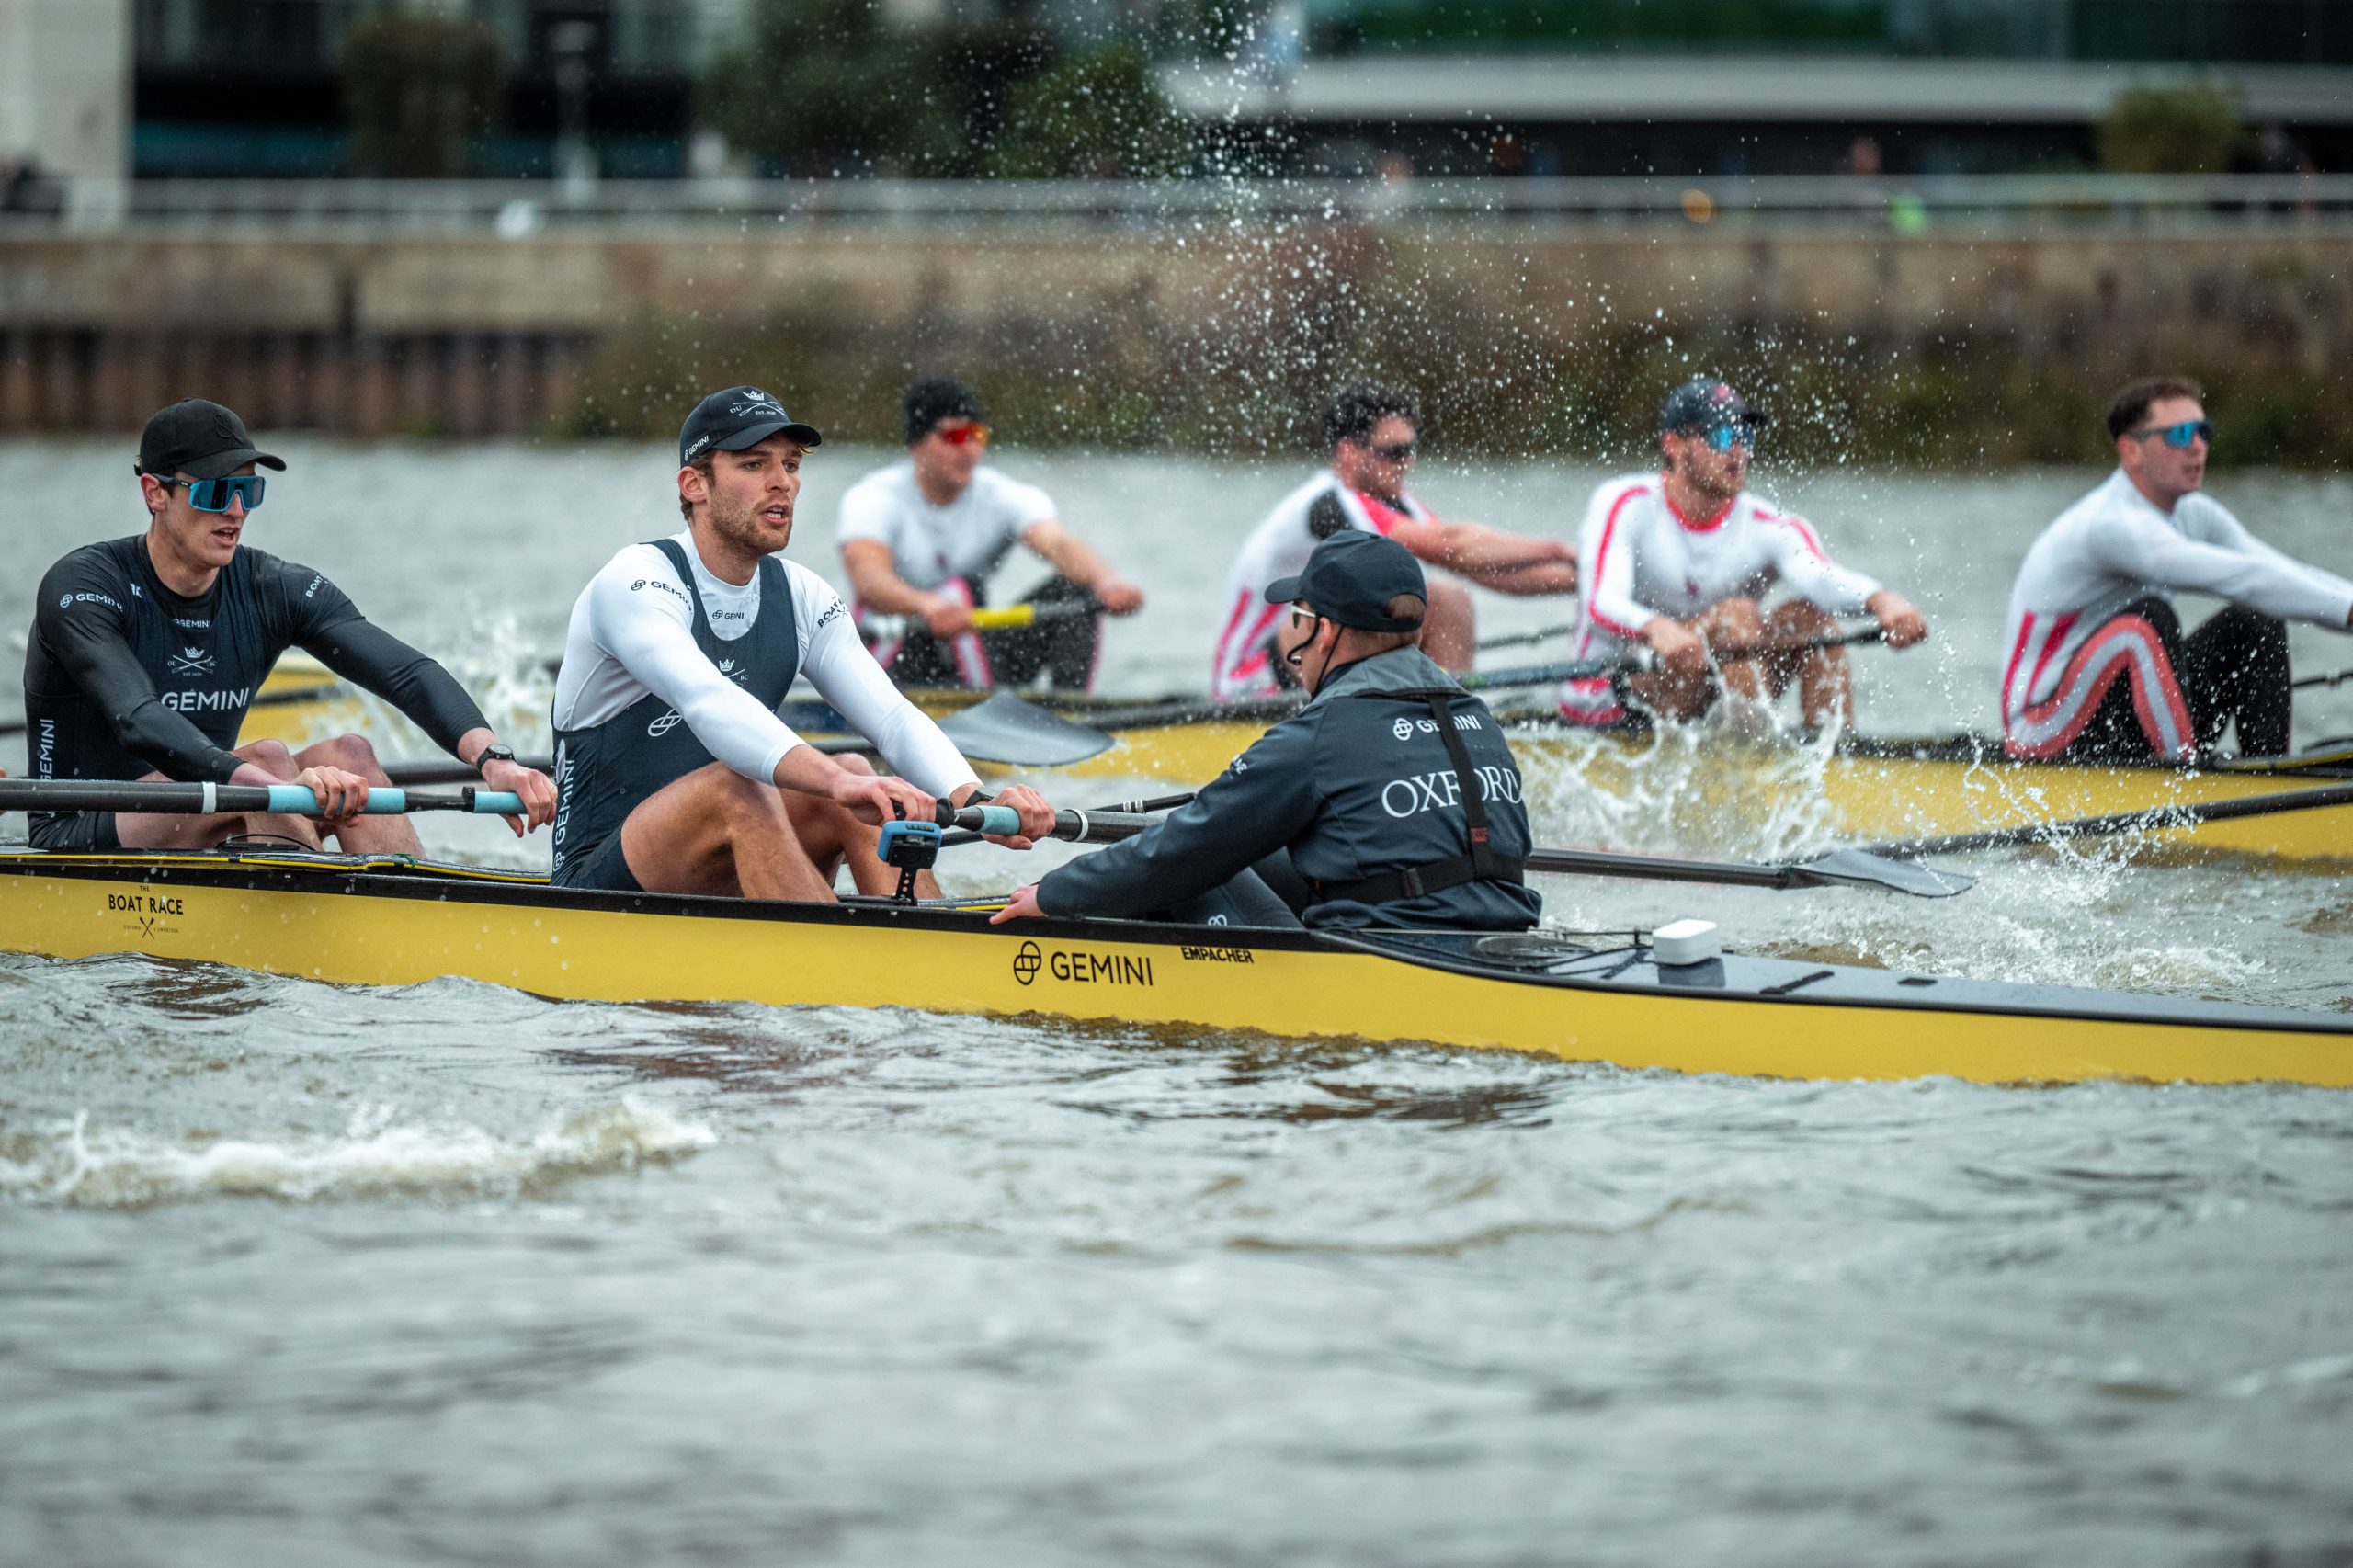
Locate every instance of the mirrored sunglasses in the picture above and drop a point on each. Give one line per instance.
(214, 495)
(2184, 436)
(964, 434)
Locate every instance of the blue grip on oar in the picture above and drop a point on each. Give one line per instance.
(497, 803)
(294, 800)
(1003, 820)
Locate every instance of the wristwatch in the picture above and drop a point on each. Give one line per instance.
(494, 752)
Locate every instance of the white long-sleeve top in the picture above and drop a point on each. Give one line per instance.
(2114, 546)
(633, 632)
(1638, 557)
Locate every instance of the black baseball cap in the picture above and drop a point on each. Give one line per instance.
(201, 439)
(1702, 404)
(1351, 578)
(739, 418)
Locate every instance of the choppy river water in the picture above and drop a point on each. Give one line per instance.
(290, 1273)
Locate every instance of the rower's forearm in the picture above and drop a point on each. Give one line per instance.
(1073, 558)
(806, 769)
(1535, 577)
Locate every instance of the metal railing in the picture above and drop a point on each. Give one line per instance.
(520, 209)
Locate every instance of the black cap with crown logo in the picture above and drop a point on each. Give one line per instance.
(199, 438)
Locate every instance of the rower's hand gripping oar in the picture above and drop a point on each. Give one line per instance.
(205, 799)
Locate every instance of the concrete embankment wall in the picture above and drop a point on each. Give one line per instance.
(1927, 346)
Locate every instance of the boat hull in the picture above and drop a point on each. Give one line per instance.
(353, 921)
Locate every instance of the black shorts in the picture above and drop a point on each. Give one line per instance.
(88, 832)
(603, 869)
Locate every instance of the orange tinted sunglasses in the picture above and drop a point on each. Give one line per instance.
(964, 434)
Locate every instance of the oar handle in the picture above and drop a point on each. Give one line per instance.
(1077, 826)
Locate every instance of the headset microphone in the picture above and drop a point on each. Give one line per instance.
(1300, 652)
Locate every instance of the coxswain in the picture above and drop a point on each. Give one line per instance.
(1371, 435)
(1390, 801)
(921, 538)
(678, 773)
(1679, 561)
(146, 652)
(2096, 666)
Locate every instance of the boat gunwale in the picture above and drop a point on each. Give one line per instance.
(431, 883)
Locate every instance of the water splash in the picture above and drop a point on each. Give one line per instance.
(104, 1167)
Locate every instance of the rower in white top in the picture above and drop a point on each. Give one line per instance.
(1372, 435)
(921, 538)
(2096, 666)
(677, 773)
(1677, 561)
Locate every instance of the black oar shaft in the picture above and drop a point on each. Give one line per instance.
(2155, 819)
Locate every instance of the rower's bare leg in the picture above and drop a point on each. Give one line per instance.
(716, 832)
(361, 835)
(832, 835)
(152, 830)
(1450, 627)
(1826, 680)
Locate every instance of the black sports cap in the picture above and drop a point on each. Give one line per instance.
(936, 398)
(199, 438)
(1702, 404)
(1351, 578)
(739, 418)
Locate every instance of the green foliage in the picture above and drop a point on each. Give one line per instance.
(1093, 116)
(828, 86)
(418, 88)
(2187, 128)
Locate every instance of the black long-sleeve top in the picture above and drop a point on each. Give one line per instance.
(124, 678)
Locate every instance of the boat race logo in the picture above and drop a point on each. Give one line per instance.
(665, 725)
(190, 661)
(1078, 967)
(758, 402)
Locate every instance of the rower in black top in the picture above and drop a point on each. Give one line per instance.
(1389, 802)
(146, 652)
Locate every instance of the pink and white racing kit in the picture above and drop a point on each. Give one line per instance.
(2068, 639)
(1278, 547)
(1638, 557)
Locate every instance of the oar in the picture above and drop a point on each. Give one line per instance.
(1006, 729)
(2154, 819)
(995, 618)
(1094, 813)
(203, 800)
(1520, 639)
(1847, 868)
(2336, 677)
(1077, 826)
(1645, 661)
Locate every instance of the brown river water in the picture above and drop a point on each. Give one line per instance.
(294, 1274)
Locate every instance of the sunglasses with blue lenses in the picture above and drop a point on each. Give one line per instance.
(214, 495)
(2186, 434)
(1725, 438)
